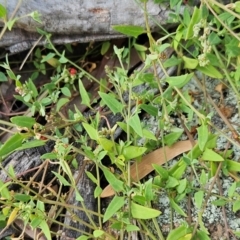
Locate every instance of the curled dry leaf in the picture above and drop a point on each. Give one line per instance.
(160, 156)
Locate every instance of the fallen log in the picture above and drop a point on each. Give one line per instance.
(76, 21)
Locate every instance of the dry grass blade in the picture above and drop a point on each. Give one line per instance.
(159, 156)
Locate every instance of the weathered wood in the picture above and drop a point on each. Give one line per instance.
(77, 21)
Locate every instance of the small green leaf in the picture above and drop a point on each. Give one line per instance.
(141, 212)
(62, 58)
(149, 135)
(139, 47)
(49, 156)
(106, 144)
(172, 137)
(171, 182)
(131, 228)
(148, 108)
(22, 197)
(132, 152)
(163, 173)
(177, 208)
(66, 91)
(114, 105)
(179, 81)
(98, 233)
(198, 196)
(23, 121)
(61, 179)
(3, 11)
(232, 189)
(92, 132)
(219, 202)
(135, 123)
(210, 71)
(115, 183)
(190, 63)
(45, 228)
(48, 57)
(97, 192)
(61, 103)
(105, 46)
(3, 78)
(182, 185)
(10, 23)
(210, 155)
(178, 233)
(196, 17)
(129, 30)
(78, 196)
(113, 207)
(202, 136)
(236, 206)
(84, 95)
(90, 175)
(11, 144)
(83, 237)
(4, 190)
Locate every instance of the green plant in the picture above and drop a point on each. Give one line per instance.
(215, 55)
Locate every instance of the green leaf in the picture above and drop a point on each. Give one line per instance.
(97, 192)
(171, 182)
(3, 11)
(163, 173)
(131, 228)
(62, 58)
(210, 71)
(84, 95)
(66, 91)
(114, 105)
(177, 208)
(92, 132)
(202, 136)
(10, 23)
(90, 175)
(115, 183)
(105, 46)
(11, 144)
(219, 202)
(135, 123)
(179, 81)
(113, 207)
(148, 108)
(182, 185)
(48, 57)
(233, 166)
(83, 237)
(45, 228)
(149, 135)
(98, 233)
(172, 137)
(129, 30)
(61, 102)
(23, 121)
(190, 63)
(141, 212)
(178, 233)
(78, 196)
(22, 197)
(49, 156)
(210, 155)
(198, 197)
(4, 190)
(3, 78)
(196, 17)
(232, 189)
(132, 152)
(61, 179)
(139, 47)
(236, 206)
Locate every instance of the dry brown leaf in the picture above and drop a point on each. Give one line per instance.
(220, 87)
(160, 156)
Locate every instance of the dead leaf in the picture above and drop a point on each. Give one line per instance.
(220, 87)
(226, 111)
(160, 156)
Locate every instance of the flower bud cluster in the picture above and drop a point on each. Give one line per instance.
(69, 75)
(206, 47)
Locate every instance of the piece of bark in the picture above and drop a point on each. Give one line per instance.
(86, 189)
(76, 21)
